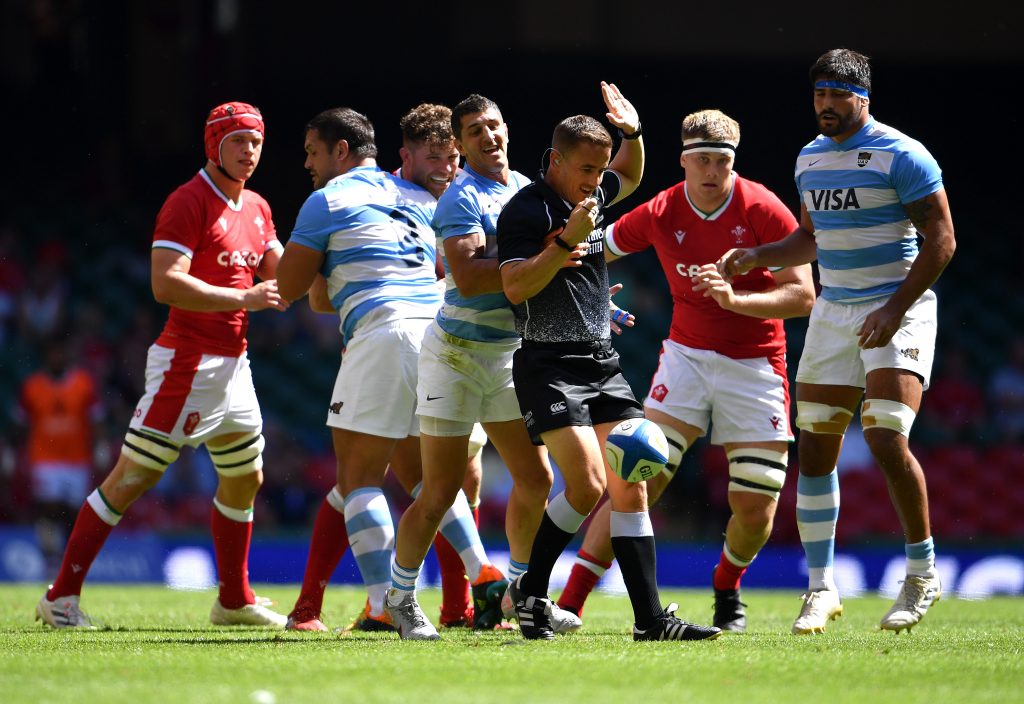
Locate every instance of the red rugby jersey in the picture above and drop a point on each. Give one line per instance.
(684, 239)
(226, 243)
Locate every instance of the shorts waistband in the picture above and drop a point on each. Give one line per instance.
(477, 345)
(578, 347)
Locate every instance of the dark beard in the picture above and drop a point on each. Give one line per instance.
(841, 124)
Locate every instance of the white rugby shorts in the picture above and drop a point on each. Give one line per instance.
(375, 391)
(744, 400)
(467, 381)
(831, 354)
(192, 397)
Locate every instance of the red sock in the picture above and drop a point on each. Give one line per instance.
(454, 584)
(231, 548)
(727, 575)
(582, 581)
(84, 544)
(327, 547)
(476, 515)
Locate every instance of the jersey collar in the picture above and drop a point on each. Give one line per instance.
(230, 203)
(713, 215)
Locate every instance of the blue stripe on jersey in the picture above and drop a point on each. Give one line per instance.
(850, 178)
(415, 287)
(483, 302)
(837, 294)
(477, 332)
(867, 256)
(864, 217)
(425, 300)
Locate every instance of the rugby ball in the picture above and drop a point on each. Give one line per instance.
(636, 449)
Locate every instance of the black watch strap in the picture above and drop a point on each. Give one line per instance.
(636, 135)
(563, 244)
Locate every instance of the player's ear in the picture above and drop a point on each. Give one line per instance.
(341, 149)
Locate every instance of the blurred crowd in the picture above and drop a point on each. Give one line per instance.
(77, 317)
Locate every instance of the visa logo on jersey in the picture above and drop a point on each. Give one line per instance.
(835, 199)
(239, 258)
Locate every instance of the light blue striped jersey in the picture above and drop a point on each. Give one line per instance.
(471, 205)
(374, 229)
(855, 193)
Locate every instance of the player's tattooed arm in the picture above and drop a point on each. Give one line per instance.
(920, 213)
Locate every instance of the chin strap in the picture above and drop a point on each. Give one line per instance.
(229, 176)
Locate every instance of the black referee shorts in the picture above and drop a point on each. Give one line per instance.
(559, 384)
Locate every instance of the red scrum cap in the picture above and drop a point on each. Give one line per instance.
(226, 120)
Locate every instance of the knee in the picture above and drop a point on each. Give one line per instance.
(753, 513)
(242, 489)
(535, 484)
(434, 502)
(585, 495)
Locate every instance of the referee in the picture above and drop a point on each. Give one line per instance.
(567, 377)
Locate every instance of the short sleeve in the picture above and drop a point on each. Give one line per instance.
(631, 233)
(520, 233)
(915, 174)
(313, 224)
(178, 224)
(457, 215)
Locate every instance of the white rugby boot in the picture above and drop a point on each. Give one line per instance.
(409, 619)
(562, 621)
(63, 612)
(916, 595)
(248, 615)
(819, 608)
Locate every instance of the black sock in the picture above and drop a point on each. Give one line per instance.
(638, 562)
(547, 547)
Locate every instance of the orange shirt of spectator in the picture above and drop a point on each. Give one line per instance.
(59, 414)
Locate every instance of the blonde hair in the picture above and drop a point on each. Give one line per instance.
(712, 125)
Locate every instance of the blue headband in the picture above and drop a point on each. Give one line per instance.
(843, 85)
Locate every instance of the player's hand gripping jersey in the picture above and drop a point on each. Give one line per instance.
(684, 238)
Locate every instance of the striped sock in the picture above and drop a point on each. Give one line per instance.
(817, 512)
(403, 581)
(921, 558)
(586, 573)
(516, 568)
(460, 530)
(371, 533)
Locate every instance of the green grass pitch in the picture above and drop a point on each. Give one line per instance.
(157, 646)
